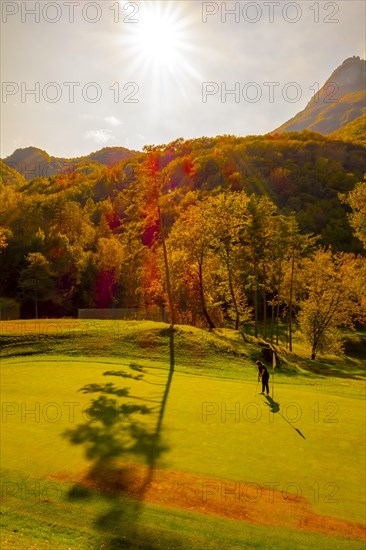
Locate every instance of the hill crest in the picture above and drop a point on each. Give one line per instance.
(32, 162)
(338, 103)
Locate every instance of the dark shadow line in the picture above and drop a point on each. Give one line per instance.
(275, 408)
(293, 427)
(164, 401)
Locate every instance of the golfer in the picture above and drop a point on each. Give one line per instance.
(264, 374)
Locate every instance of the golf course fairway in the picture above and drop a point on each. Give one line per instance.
(156, 440)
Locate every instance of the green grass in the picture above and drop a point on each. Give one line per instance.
(158, 528)
(70, 525)
(322, 451)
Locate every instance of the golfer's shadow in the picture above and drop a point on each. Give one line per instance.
(275, 408)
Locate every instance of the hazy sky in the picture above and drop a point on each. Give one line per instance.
(123, 73)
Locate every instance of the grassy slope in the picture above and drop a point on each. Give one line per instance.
(268, 450)
(71, 526)
(353, 131)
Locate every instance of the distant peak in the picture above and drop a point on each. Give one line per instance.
(339, 102)
(354, 59)
(30, 148)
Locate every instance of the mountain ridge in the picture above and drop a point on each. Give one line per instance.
(32, 162)
(340, 101)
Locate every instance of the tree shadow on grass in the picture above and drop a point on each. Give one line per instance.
(316, 369)
(118, 434)
(350, 371)
(235, 345)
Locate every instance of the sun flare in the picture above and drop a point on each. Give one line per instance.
(159, 39)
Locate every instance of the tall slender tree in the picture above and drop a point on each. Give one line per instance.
(36, 281)
(191, 235)
(153, 179)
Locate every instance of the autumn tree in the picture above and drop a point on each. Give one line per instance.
(108, 261)
(191, 235)
(152, 181)
(331, 301)
(3, 238)
(226, 215)
(356, 199)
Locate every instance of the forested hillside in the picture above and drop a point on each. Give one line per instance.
(10, 176)
(32, 162)
(353, 131)
(241, 217)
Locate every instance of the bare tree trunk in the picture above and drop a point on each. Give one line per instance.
(237, 314)
(278, 303)
(278, 299)
(255, 298)
(264, 329)
(256, 312)
(272, 315)
(167, 274)
(166, 263)
(277, 321)
(290, 300)
(313, 352)
(203, 303)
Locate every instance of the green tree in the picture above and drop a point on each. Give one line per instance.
(36, 281)
(297, 247)
(108, 260)
(278, 256)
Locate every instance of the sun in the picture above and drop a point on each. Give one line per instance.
(159, 40)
